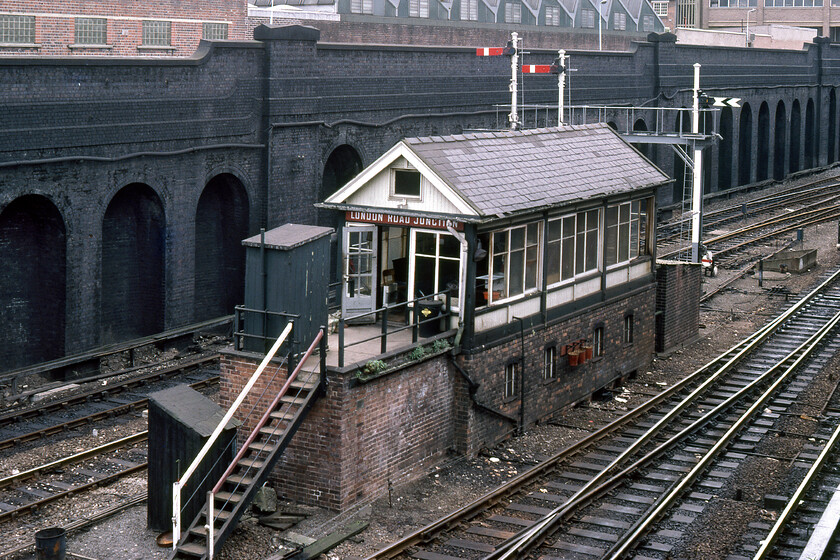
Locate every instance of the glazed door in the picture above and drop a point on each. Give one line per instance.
(359, 283)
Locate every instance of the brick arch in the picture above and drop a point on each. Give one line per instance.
(725, 150)
(745, 152)
(33, 282)
(133, 265)
(762, 170)
(831, 140)
(780, 130)
(810, 135)
(795, 136)
(221, 223)
(343, 163)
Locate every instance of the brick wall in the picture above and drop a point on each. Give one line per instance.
(55, 25)
(544, 398)
(678, 291)
(359, 437)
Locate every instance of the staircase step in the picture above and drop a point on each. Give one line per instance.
(282, 416)
(193, 549)
(238, 479)
(260, 447)
(273, 431)
(232, 497)
(307, 385)
(292, 400)
(254, 463)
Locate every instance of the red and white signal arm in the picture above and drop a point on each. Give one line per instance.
(490, 51)
(536, 68)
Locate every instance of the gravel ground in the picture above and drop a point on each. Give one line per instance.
(729, 317)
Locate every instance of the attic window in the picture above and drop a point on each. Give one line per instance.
(407, 183)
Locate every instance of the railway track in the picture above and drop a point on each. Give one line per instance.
(600, 497)
(814, 192)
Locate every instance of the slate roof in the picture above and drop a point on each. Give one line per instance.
(506, 172)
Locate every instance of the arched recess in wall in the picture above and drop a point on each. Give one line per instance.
(221, 223)
(762, 163)
(33, 282)
(706, 126)
(795, 125)
(612, 125)
(641, 126)
(810, 135)
(682, 122)
(725, 150)
(343, 164)
(745, 153)
(831, 141)
(779, 145)
(133, 265)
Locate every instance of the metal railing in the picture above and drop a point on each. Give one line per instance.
(182, 481)
(320, 340)
(381, 314)
(247, 323)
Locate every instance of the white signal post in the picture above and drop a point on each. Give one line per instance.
(561, 84)
(514, 68)
(697, 188)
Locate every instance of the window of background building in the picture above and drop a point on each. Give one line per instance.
(686, 13)
(660, 8)
(513, 12)
(157, 33)
(418, 8)
(17, 29)
(620, 21)
(361, 6)
(511, 379)
(550, 363)
(214, 31)
(587, 19)
(796, 3)
(91, 31)
(647, 23)
(627, 334)
(733, 3)
(469, 10)
(552, 15)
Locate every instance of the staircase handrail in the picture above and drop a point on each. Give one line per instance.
(180, 483)
(254, 433)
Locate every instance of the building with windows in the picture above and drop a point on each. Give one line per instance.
(158, 28)
(617, 16)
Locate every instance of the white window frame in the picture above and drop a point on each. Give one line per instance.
(494, 254)
(418, 197)
(660, 8)
(587, 19)
(627, 329)
(361, 6)
(571, 236)
(619, 21)
(550, 363)
(437, 256)
(626, 228)
(511, 379)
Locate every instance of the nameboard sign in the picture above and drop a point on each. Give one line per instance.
(404, 221)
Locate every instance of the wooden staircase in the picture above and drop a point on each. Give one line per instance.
(250, 469)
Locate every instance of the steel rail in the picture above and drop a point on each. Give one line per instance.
(85, 420)
(601, 482)
(427, 533)
(83, 396)
(92, 484)
(133, 501)
(804, 351)
(818, 551)
(75, 458)
(822, 213)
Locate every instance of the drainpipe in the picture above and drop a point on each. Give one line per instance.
(522, 374)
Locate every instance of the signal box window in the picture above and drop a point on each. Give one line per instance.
(406, 183)
(628, 329)
(598, 341)
(511, 375)
(550, 363)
